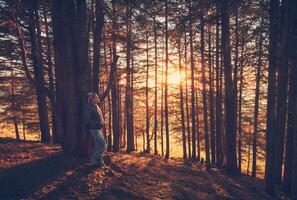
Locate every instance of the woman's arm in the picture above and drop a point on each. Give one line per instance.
(101, 115)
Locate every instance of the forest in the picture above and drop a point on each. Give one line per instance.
(188, 86)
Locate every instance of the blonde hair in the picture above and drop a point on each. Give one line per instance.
(91, 95)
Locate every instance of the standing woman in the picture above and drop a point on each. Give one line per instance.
(94, 121)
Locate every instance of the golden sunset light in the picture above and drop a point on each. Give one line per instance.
(159, 99)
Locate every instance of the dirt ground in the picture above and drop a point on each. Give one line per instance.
(30, 170)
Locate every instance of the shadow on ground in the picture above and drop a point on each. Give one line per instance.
(48, 173)
(23, 180)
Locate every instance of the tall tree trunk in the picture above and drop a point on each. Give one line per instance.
(211, 103)
(123, 123)
(193, 111)
(115, 117)
(162, 111)
(35, 40)
(293, 96)
(143, 138)
(187, 100)
(205, 113)
(109, 138)
(156, 91)
(235, 69)
(219, 150)
(24, 125)
(249, 156)
(166, 81)
(23, 53)
(292, 109)
(120, 111)
(97, 36)
(82, 78)
(132, 98)
(230, 108)
(235, 82)
(128, 98)
(197, 124)
(222, 107)
(282, 90)
(72, 71)
(240, 106)
(292, 121)
(257, 95)
(136, 142)
(270, 131)
(56, 130)
(115, 89)
(294, 171)
(147, 129)
(14, 116)
(182, 102)
(103, 104)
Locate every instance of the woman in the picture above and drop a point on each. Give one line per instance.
(94, 121)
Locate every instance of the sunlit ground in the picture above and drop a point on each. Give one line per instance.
(175, 150)
(9, 132)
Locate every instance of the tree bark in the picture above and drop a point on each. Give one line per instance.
(24, 125)
(288, 179)
(72, 72)
(219, 150)
(193, 111)
(257, 97)
(162, 112)
(182, 102)
(56, 138)
(97, 36)
(211, 103)
(249, 156)
(240, 106)
(197, 124)
(235, 68)
(109, 138)
(270, 131)
(166, 81)
(13, 106)
(115, 89)
(147, 122)
(282, 90)
(156, 91)
(187, 100)
(128, 98)
(205, 113)
(230, 108)
(35, 40)
(294, 98)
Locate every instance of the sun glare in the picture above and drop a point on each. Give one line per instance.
(174, 78)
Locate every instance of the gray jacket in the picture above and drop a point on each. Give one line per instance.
(91, 117)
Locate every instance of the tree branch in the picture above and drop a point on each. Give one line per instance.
(113, 67)
(25, 65)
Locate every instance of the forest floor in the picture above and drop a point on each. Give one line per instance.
(30, 170)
